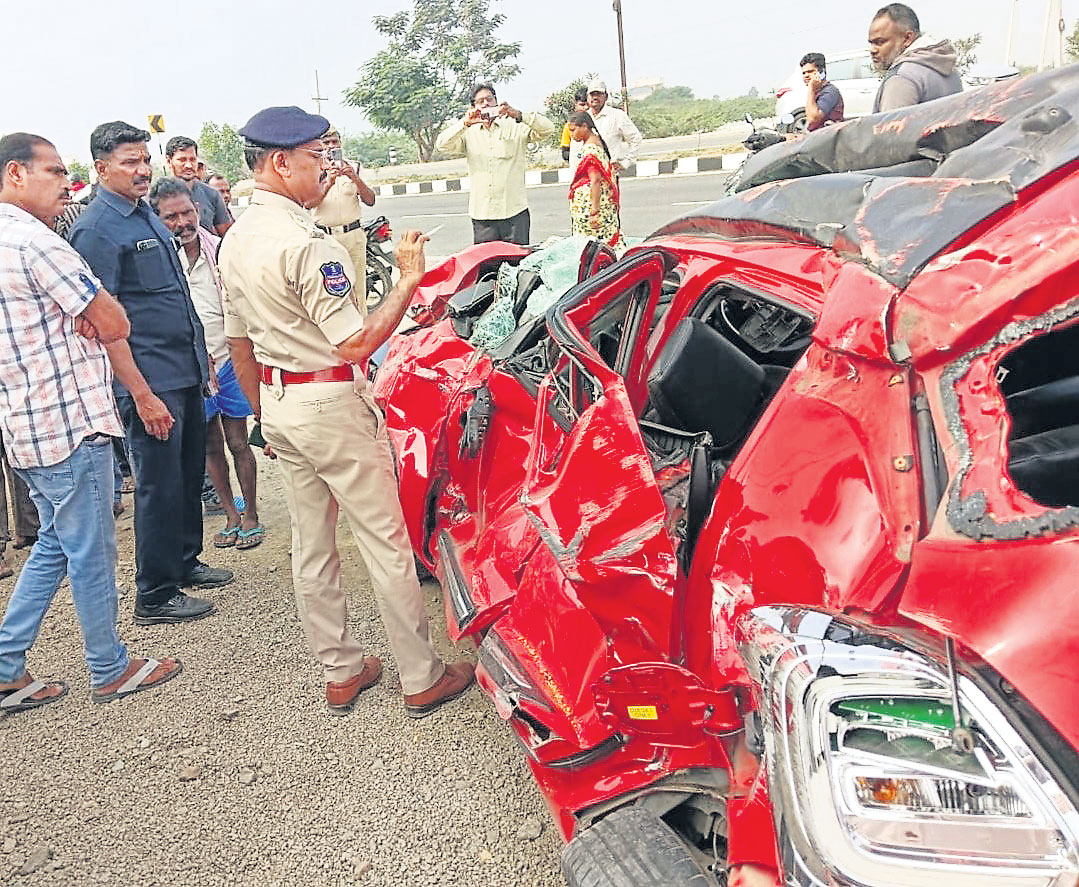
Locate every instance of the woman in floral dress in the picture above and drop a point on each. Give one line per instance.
(593, 193)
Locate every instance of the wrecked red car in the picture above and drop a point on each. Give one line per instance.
(768, 531)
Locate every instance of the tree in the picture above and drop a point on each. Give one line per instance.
(222, 147)
(964, 53)
(77, 169)
(435, 54)
(1071, 47)
(372, 149)
(560, 104)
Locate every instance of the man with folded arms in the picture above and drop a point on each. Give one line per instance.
(57, 418)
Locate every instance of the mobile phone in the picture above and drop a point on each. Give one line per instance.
(335, 155)
(490, 112)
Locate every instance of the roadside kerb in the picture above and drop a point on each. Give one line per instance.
(534, 178)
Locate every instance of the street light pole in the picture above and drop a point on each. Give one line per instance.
(617, 5)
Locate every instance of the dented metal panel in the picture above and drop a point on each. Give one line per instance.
(835, 187)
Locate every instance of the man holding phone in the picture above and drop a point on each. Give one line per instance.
(494, 139)
(340, 211)
(824, 103)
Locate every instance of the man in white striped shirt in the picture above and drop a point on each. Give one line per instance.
(57, 417)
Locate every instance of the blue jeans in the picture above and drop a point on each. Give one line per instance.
(77, 539)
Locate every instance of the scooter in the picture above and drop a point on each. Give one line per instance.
(379, 262)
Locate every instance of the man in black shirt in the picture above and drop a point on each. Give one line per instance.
(162, 369)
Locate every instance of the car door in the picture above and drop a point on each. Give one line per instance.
(589, 486)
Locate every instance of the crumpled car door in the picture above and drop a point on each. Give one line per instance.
(589, 487)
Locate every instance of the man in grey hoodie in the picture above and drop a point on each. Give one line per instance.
(918, 68)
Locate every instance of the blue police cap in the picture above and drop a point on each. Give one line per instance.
(283, 127)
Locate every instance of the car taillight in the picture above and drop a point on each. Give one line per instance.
(782, 92)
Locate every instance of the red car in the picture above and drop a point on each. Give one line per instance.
(769, 531)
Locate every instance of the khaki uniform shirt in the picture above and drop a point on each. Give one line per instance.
(289, 287)
(340, 206)
(497, 157)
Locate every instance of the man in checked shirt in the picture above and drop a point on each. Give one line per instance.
(57, 417)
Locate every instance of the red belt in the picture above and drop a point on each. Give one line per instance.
(340, 373)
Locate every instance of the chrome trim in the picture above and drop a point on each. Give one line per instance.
(802, 661)
(464, 610)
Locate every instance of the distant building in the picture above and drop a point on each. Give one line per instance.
(644, 87)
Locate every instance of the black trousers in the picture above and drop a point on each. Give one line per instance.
(512, 230)
(168, 487)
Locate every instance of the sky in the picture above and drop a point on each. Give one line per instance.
(68, 66)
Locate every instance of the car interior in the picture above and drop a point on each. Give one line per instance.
(1040, 383)
(741, 345)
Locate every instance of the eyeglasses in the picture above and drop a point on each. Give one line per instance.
(324, 155)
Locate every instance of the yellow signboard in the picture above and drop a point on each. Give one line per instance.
(642, 712)
(157, 122)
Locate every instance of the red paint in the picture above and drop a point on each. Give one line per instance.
(564, 539)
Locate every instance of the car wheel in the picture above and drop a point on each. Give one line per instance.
(799, 124)
(631, 848)
(379, 282)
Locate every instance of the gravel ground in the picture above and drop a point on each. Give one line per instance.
(235, 774)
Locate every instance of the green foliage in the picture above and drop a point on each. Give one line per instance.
(434, 54)
(658, 120)
(1071, 45)
(559, 104)
(79, 169)
(666, 95)
(964, 53)
(222, 147)
(372, 149)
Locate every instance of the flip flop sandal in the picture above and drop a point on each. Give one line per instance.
(22, 699)
(226, 538)
(134, 684)
(250, 538)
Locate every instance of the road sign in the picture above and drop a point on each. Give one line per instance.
(157, 122)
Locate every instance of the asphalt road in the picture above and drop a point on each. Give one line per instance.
(646, 204)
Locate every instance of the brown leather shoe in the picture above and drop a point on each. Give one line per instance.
(341, 696)
(454, 681)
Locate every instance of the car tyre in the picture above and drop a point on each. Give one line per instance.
(799, 124)
(631, 847)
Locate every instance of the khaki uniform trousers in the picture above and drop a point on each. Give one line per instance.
(333, 452)
(356, 243)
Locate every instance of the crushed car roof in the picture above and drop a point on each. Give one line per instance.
(895, 189)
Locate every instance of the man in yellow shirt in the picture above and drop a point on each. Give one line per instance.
(494, 139)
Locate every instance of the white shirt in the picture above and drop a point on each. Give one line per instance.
(620, 133)
(207, 301)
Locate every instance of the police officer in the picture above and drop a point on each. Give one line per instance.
(339, 212)
(296, 334)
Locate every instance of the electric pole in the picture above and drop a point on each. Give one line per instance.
(617, 5)
(318, 97)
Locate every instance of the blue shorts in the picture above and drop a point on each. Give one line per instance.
(229, 400)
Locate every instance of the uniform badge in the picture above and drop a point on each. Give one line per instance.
(335, 280)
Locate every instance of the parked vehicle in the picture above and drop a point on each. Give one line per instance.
(379, 261)
(768, 530)
(759, 139)
(854, 76)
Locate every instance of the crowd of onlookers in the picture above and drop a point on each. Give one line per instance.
(118, 373)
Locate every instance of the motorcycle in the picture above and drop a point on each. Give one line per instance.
(754, 143)
(380, 262)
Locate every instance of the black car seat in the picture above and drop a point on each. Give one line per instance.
(704, 382)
